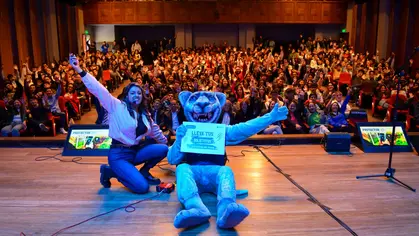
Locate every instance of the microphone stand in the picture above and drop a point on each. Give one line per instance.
(389, 173)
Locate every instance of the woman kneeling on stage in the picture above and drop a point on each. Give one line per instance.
(134, 135)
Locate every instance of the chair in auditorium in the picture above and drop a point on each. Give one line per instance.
(53, 127)
(88, 102)
(356, 116)
(377, 110)
(344, 79)
(402, 108)
(411, 123)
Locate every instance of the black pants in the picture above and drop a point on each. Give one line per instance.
(63, 119)
(34, 125)
(71, 110)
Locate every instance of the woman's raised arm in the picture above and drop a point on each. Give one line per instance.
(108, 101)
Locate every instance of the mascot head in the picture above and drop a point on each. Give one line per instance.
(202, 106)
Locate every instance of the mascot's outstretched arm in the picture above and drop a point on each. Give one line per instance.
(238, 133)
(234, 134)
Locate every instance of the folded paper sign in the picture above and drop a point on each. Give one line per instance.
(204, 138)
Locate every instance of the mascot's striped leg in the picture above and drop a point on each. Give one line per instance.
(229, 213)
(195, 212)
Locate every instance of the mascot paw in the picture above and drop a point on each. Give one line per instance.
(279, 113)
(231, 215)
(191, 217)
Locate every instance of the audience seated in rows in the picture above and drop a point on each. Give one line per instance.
(310, 77)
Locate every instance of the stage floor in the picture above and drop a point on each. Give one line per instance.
(41, 197)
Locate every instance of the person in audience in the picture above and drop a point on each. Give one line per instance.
(336, 114)
(174, 117)
(383, 97)
(72, 103)
(316, 119)
(136, 47)
(104, 47)
(50, 102)
(243, 112)
(414, 111)
(80, 90)
(4, 115)
(291, 73)
(274, 128)
(227, 115)
(17, 120)
(294, 124)
(339, 99)
(38, 120)
(130, 126)
(157, 113)
(115, 47)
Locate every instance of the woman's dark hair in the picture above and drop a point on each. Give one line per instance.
(21, 111)
(293, 101)
(330, 108)
(143, 108)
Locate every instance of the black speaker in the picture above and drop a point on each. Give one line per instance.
(337, 142)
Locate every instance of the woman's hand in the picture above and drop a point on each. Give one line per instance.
(155, 130)
(74, 62)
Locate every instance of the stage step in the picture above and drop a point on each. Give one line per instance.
(274, 139)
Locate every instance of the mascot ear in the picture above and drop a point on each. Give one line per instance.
(221, 98)
(183, 97)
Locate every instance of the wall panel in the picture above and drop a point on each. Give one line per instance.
(315, 11)
(415, 40)
(363, 26)
(214, 33)
(284, 33)
(37, 44)
(402, 32)
(372, 26)
(44, 30)
(22, 29)
(281, 11)
(6, 52)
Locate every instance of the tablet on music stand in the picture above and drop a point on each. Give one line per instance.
(87, 140)
(376, 137)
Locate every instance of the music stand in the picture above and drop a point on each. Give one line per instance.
(389, 173)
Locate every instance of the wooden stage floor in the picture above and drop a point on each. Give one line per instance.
(41, 197)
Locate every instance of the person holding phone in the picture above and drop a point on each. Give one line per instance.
(132, 130)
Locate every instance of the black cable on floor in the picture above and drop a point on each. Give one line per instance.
(74, 160)
(242, 153)
(128, 208)
(311, 197)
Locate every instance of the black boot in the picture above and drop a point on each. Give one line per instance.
(105, 176)
(150, 179)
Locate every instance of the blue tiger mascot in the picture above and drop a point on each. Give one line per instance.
(203, 173)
